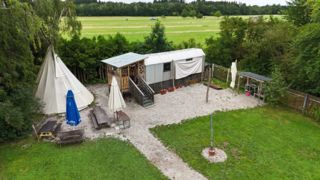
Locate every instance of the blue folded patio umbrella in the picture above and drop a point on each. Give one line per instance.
(72, 113)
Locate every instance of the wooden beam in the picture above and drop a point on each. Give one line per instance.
(238, 83)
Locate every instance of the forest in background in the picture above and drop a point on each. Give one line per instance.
(172, 8)
(288, 50)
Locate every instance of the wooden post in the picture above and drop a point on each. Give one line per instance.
(305, 102)
(35, 132)
(228, 76)
(212, 70)
(238, 83)
(209, 82)
(173, 83)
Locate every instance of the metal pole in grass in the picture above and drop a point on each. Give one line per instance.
(208, 85)
(211, 128)
(211, 151)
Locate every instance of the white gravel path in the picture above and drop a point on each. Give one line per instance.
(187, 102)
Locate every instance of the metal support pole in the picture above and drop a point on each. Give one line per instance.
(209, 82)
(211, 128)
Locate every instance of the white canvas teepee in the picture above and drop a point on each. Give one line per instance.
(54, 80)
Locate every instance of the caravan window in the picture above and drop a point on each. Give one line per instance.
(166, 67)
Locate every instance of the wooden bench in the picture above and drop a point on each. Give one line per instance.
(99, 118)
(70, 137)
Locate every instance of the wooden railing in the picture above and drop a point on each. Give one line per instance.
(136, 92)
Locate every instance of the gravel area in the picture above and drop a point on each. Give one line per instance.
(184, 103)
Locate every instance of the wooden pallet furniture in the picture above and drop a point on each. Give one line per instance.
(48, 129)
(70, 137)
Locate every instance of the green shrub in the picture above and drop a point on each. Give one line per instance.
(199, 15)
(315, 112)
(217, 14)
(276, 89)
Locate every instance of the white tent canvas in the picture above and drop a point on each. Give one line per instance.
(116, 101)
(54, 80)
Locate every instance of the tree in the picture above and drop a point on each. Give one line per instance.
(276, 89)
(298, 12)
(192, 13)
(217, 14)
(57, 17)
(185, 13)
(19, 28)
(229, 46)
(315, 13)
(306, 48)
(157, 41)
(199, 15)
(267, 43)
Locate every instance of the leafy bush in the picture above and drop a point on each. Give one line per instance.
(276, 89)
(217, 14)
(199, 16)
(315, 112)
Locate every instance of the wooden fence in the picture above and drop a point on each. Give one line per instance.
(303, 102)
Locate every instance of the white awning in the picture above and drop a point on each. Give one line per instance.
(186, 68)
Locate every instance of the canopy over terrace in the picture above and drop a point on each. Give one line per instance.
(259, 78)
(124, 66)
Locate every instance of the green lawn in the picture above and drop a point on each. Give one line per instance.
(101, 159)
(261, 143)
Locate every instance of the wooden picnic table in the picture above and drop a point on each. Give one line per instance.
(99, 118)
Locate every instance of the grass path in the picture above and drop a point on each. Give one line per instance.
(101, 159)
(261, 143)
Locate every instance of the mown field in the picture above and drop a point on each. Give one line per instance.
(136, 28)
(178, 29)
(261, 143)
(101, 159)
